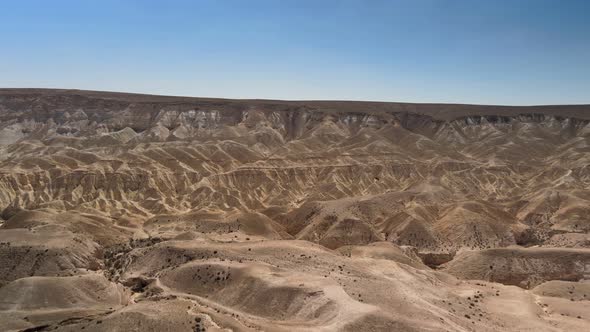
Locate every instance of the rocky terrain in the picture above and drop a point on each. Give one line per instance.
(124, 212)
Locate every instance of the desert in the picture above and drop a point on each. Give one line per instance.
(128, 212)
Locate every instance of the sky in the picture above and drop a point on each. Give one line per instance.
(511, 52)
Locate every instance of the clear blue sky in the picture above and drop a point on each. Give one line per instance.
(470, 51)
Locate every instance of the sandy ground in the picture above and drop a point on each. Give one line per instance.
(123, 212)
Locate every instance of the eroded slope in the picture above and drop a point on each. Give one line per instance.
(192, 214)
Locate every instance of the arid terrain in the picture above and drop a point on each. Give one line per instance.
(125, 212)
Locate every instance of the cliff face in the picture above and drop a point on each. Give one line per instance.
(131, 157)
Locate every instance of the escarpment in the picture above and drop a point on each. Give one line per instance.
(140, 156)
(290, 215)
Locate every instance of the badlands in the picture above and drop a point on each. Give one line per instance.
(126, 212)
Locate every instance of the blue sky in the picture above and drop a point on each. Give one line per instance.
(470, 51)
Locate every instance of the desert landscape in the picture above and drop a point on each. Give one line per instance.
(128, 212)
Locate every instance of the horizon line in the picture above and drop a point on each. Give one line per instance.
(56, 89)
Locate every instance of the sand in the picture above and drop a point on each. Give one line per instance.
(123, 212)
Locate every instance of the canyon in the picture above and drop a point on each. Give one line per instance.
(124, 212)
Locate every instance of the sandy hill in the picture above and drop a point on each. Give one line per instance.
(137, 212)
